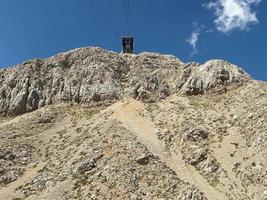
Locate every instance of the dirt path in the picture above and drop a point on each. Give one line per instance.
(129, 114)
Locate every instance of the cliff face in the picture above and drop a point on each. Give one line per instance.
(93, 75)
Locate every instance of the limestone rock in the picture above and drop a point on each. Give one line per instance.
(195, 135)
(214, 74)
(94, 75)
(192, 193)
(89, 164)
(144, 159)
(194, 155)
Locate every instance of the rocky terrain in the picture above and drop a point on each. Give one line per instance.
(94, 124)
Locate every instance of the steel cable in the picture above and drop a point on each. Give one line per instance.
(127, 11)
(98, 12)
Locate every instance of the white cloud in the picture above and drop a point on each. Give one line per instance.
(233, 14)
(193, 39)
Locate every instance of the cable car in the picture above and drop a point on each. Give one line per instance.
(127, 44)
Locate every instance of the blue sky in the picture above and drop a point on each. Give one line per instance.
(192, 30)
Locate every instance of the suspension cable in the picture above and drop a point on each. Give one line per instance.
(127, 12)
(98, 12)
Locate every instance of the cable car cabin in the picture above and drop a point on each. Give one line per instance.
(127, 44)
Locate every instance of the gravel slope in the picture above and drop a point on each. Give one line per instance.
(196, 147)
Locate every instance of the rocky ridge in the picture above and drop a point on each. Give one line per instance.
(94, 75)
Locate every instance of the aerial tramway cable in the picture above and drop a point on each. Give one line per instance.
(98, 12)
(127, 40)
(127, 12)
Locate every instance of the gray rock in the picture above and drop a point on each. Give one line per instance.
(18, 106)
(192, 193)
(89, 164)
(194, 155)
(144, 159)
(195, 135)
(214, 74)
(94, 75)
(209, 166)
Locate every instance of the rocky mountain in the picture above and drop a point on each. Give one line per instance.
(94, 124)
(93, 75)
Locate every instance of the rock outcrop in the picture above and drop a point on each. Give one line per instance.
(214, 74)
(94, 75)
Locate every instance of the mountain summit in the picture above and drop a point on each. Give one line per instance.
(93, 124)
(94, 75)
